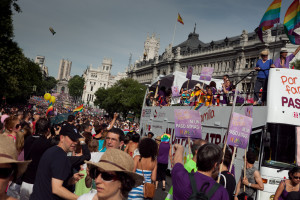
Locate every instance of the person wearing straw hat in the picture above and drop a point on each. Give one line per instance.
(10, 167)
(284, 61)
(113, 175)
(263, 66)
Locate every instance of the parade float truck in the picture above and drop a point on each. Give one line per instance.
(275, 136)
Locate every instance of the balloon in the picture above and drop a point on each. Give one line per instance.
(52, 99)
(47, 96)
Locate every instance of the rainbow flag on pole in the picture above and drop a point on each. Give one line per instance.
(50, 109)
(79, 108)
(292, 22)
(179, 19)
(271, 17)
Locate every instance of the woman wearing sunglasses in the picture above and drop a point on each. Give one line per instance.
(113, 175)
(10, 168)
(12, 126)
(290, 188)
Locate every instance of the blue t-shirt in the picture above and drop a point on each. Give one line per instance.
(264, 66)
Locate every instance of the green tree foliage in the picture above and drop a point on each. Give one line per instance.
(126, 95)
(18, 74)
(49, 83)
(75, 86)
(296, 64)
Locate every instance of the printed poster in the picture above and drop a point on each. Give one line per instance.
(187, 124)
(206, 73)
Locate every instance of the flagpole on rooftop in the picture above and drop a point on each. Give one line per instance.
(174, 33)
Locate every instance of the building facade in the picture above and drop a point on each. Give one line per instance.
(63, 76)
(235, 56)
(40, 60)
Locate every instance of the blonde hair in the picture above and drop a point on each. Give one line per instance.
(20, 141)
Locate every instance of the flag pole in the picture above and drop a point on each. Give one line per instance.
(174, 33)
(275, 41)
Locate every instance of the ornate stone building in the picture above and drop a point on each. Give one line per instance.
(235, 56)
(97, 78)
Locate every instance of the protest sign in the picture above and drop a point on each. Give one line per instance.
(239, 130)
(206, 73)
(187, 123)
(175, 91)
(189, 72)
(248, 111)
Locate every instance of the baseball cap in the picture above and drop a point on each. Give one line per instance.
(70, 131)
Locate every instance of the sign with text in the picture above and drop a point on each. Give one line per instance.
(206, 73)
(283, 97)
(175, 91)
(189, 72)
(187, 123)
(239, 130)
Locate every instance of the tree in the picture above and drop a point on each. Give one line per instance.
(126, 95)
(75, 86)
(296, 64)
(49, 83)
(18, 74)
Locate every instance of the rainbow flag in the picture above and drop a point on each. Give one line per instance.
(197, 107)
(292, 22)
(179, 19)
(271, 17)
(79, 108)
(50, 109)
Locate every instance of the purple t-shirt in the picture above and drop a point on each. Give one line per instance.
(182, 188)
(163, 153)
(287, 62)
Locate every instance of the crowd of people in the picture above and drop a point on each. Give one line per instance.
(210, 95)
(92, 158)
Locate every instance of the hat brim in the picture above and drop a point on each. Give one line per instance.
(283, 52)
(21, 165)
(109, 167)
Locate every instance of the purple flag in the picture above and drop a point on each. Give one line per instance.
(239, 130)
(206, 73)
(175, 91)
(187, 123)
(189, 72)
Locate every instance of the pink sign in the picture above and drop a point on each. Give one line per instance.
(189, 72)
(206, 73)
(187, 123)
(239, 130)
(248, 111)
(175, 91)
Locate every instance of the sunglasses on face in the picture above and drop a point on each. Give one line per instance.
(95, 172)
(297, 177)
(6, 172)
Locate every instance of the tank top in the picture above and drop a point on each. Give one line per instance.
(250, 176)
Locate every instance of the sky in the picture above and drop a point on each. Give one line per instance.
(89, 30)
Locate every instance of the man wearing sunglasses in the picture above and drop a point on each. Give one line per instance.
(54, 170)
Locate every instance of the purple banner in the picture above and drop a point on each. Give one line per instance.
(189, 72)
(175, 91)
(206, 73)
(248, 111)
(187, 123)
(239, 130)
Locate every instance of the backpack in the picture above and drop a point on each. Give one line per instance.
(202, 194)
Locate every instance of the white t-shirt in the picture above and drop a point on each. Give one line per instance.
(88, 196)
(95, 157)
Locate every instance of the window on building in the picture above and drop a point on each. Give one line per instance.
(107, 68)
(91, 88)
(247, 63)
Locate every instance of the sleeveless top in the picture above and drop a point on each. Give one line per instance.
(163, 153)
(284, 194)
(138, 192)
(250, 176)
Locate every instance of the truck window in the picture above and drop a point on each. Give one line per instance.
(279, 146)
(254, 143)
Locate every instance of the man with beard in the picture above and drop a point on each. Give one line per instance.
(54, 170)
(187, 186)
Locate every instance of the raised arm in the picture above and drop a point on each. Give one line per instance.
(113, 121)
(178, 157)
(297, 50)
